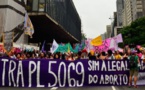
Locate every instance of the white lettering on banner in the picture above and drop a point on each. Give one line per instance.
(93, 65)
(120, 75)
(113, 79)
(71, 79)
(102, 79)
(117, 65)
(20, 74)
(109, 67)
(11, 74)
(59, 78)
(123, 66)
(3, 73)
(38, 75)
(31, 71)
(107, 79)
(93, 79)
(51, 72)
(80, 73)
(126, 64)
(103, 66)
(125, 79)
(113, 65)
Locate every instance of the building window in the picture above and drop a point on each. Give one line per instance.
(41, 5)
(21, 2)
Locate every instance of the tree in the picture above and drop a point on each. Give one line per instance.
(135, 32)
(83, 36)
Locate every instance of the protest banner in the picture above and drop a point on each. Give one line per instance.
(105, 46)
(57, 73)
(8, 41)
(97, 41)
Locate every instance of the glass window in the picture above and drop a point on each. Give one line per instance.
(35, 5)
(42, 5)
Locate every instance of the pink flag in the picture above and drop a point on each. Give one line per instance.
(118, 38)
(105, 46)
(89, 47)
(138, 46)
(113, 44)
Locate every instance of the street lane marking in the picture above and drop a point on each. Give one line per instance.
(113, 87)
(54, 88)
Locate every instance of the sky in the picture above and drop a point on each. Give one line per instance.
(95, 15)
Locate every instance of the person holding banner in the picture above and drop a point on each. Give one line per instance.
(117, 55)
(110, 55)
(133, 68)
(70, 57)
(143, 56)
(103, 56)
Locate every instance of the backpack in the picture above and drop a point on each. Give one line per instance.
(132, 62)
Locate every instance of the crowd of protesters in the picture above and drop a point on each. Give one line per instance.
(93, 55)
(126, 54)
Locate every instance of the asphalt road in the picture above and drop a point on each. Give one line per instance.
(82, 88)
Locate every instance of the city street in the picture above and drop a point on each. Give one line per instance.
(82, 88)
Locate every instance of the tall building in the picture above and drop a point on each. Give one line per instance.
(143, 1)
(108, 31)
(137, 7)
(133, 9)
(12, 14)
(127, 13)
(120, 6)
(54, 19)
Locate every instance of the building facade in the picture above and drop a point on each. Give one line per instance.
(137, 7)
(127, 13)
(133, 9)
(52, 19)
(143, 1)
(59, 20)
(12, 13)
(109, 30)
(120, 6)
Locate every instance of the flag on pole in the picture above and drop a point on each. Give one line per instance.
(69, 48)
(54, 47)
(119, 38)
(29, 29)
(43, 47)
(88, 45)
(97, 41)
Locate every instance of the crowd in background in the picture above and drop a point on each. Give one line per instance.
(93, 55)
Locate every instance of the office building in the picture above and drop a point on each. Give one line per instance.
(120, 6)
(52, 19)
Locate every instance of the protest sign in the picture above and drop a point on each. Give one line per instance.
(57, 73)
(8, 41)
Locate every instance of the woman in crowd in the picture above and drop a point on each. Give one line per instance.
(127, 54)
(143, 56)
(117, 55)
(18, 56)
(42, 55)
(103, 56)
(110, 55)
(56, 56)
(69, 57)
(33, 56)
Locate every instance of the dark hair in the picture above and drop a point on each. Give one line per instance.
(103, 53)
(55, 56)
(109, 52)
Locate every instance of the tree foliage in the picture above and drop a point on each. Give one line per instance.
(134, 33)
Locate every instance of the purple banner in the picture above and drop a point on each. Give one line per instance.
(61, 73)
